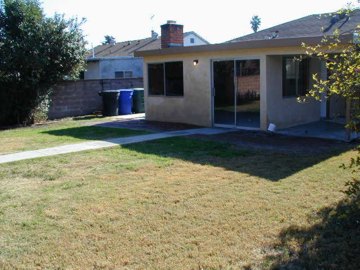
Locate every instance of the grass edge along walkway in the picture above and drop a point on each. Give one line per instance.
(92, 145)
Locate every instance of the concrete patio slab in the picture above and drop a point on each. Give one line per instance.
(93, 145)
(319, 129)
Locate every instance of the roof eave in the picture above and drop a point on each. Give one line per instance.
(251, 44)
(91, 59)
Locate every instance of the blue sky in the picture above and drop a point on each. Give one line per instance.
(216, 21)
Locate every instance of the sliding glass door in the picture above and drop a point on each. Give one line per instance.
(247, 93)
(224, 99)
(237, 93)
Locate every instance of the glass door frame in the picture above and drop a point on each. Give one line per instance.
(213, 92)
(212, 61)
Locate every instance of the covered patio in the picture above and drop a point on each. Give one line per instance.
(325, 129)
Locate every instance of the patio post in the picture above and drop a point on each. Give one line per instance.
(348, 118)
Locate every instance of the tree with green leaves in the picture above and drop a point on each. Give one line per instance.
(337, 228)
(35, 53)
(255, 23)
(342, 61)
(109, 40)
(341, 54)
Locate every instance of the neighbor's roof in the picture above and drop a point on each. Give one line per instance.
(124, 49)
(309, 26)
(309, 29)
(128, 48)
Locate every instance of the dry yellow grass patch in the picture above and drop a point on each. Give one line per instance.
(170, 204)
(57, 133)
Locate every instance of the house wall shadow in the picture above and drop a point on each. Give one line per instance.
(93, 132)
(268, 165)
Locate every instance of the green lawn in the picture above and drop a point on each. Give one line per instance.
(56, 133)
(179, 203)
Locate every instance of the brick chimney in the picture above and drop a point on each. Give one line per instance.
(172, 35)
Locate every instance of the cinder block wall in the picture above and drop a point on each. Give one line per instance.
(76, 98)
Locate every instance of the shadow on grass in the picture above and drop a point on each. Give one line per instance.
(332, 243)
(93, 132)
(88, 117)
(262, 163)
(268, 165)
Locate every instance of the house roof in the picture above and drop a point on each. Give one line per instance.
(309, 29)
(128, 48)
(309, 26)
(123, 49)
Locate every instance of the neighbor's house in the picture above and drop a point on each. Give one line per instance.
(248, 82)
(117, 60)
(193, 39)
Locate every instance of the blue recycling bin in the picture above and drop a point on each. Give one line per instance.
(125, 101)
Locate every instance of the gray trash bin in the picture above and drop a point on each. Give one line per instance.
(110, 102)
(138, 100)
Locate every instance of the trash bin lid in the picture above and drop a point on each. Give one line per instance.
(111, 91)
(125, 90)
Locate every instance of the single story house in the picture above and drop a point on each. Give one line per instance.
(248, 82)
(117, 60)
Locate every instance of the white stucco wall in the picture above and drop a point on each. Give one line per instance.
(195, 107)
(287, 111)
(106, 68)
(92, 71)
(197, 41)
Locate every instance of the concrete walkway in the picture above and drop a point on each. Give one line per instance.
(92, 145)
